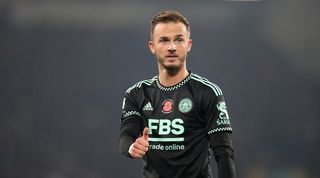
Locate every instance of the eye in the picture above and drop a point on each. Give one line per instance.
(180, 39)
(163, 40)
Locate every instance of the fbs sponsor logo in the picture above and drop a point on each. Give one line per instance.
(148, 107)
(166, 130)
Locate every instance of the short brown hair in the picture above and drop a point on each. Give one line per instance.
(166, 17)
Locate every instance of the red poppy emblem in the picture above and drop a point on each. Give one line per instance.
(167, 106)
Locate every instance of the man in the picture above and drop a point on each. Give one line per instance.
(173, 119)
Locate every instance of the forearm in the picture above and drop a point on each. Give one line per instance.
(226, 168)
(129, 132)
(221, 145)
(125, 142)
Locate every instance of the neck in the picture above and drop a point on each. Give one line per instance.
(170, 78)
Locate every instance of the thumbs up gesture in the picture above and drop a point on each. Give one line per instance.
(139, 148)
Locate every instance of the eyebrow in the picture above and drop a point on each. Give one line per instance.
(177, 36)
(181, 35)
(163, 38)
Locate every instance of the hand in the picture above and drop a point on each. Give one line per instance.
(139, 148)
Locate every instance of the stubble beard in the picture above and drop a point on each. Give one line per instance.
(171, 69)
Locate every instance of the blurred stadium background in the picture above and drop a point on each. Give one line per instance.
(65, 65)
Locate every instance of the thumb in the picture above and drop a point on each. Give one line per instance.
(145, 133)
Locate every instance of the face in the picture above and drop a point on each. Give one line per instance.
(170, 44)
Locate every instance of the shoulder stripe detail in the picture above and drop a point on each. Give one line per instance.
(206, 82)
(139, 84)
(223, 129)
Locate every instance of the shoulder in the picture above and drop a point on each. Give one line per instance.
(205, 85)
(142, 83)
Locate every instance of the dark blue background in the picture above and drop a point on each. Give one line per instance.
(65, 65)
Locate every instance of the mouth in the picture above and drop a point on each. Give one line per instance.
(172, 56)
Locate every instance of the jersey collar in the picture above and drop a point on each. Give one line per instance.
(174, 87)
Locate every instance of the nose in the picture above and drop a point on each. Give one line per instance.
(172, 47)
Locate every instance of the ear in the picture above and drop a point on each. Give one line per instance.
(189, 45)
(151, 47)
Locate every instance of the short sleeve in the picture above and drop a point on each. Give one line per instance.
(216, 115)
(129, 107)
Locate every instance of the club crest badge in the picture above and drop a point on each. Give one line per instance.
(185, 105)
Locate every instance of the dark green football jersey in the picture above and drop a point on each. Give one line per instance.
(180, 119)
